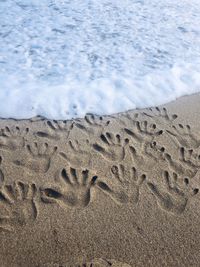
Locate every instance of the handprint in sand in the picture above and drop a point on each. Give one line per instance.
(111, 147)
(77, 153)
(17, 205)
(190, 157)
(72, 189)
(184, 136)
(124, 185)
(143, 132)
(176, 194)
(13, 138)
(180, 166)
(92, 123)
(56, 130)
(38, 158)
(160, 115)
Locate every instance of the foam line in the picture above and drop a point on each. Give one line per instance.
(62, 59)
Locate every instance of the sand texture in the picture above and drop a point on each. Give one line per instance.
(120, 191)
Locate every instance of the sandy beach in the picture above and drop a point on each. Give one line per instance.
(118, 191)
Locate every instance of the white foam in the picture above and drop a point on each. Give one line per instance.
(62, 59)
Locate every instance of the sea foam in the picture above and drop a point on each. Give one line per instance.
(62, 59)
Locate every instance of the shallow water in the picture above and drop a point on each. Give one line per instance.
(62, 59)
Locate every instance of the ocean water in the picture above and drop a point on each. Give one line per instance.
(64, 58)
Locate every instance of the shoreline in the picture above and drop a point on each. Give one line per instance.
(40, 117)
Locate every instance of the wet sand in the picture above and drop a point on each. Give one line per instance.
(119, 190)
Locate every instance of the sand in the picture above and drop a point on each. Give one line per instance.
(118, 191)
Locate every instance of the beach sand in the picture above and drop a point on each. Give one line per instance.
(118, 191)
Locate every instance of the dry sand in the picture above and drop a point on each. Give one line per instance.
(114, 191)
